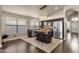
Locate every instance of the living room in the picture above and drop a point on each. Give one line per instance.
(38, 28)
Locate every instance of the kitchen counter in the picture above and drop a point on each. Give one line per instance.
(44, 35)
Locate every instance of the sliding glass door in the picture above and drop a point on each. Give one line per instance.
(58, 29)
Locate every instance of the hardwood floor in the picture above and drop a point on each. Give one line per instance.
(70, 45)
(19, 46)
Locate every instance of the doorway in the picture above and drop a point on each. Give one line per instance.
(72, 30)
(72, 25)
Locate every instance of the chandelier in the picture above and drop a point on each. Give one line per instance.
(43, 17)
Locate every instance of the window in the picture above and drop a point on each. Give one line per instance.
(11, 21)
(35, 24)
(10, 26)
(14, 25)
(21, 25)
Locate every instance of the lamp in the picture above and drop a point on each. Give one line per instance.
(43, 17)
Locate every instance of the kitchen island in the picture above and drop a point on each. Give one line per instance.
(44, 35)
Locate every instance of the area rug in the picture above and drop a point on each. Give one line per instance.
(45, 47)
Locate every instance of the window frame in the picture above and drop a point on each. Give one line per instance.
(17, 25)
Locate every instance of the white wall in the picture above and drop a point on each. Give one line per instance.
(0, 27)
(0, 19)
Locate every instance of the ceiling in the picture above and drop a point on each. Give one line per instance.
(33, 10)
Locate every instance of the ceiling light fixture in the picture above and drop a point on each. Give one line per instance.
(44, 17)
(74, 19)
(44, 6)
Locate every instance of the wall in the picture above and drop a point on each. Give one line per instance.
(0, 19)
(0, 26)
